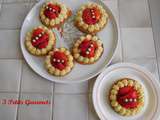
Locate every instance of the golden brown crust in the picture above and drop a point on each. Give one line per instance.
(54, 71)
(59, 20)
(113, 100)
(84, 60)
(40, 52)
(86, 30)
(91, 29)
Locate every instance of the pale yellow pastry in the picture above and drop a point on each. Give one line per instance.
(127, 97)
(87, 49)
(59, 62)
(40, 41)
(91, 18)
(54, 14)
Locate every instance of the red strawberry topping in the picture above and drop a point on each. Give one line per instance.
(39, 38)
(59, 60)
(87, 48)
(91, 15)
(37, 31)
(127, 97)
(52, 11)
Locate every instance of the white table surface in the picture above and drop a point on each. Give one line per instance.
(139, 22)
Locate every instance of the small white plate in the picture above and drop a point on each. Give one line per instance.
(109, 36)
(126, 70)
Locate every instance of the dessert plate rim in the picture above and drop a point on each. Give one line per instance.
(60, 79)
(100, 78)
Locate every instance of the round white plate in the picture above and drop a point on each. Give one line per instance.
(126, 70)
(109, 36)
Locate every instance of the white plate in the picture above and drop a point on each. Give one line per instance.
(109, 36)
(126, 70)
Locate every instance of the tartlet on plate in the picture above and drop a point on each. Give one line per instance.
(40, 41)
(127, 97)
(54, 14)
(59, 62)
(87, 50)
(91, 18)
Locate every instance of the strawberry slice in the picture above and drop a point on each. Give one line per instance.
(55, 7)
(50, 13)
(127, 93)
(37, 32)
(59, 66)
(88, 16)
(85, 45)
(97, 13)
(133, 94)
(125, 90)
(42, 42)
(131, 105)
(91, 54)
(59, 56)
(94, 44)
(127, 105)
(43, 45)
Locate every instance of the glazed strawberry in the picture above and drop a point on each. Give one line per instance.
(59, 60)
(60, 55)
(91, 16)
(131, 105)
(60, 66)
(52, 11)
(125, 90)
(39, 38)
(127, 97)
(37, 32)
(97, 13)
(129, 101)
(88, 48)
(94, 44)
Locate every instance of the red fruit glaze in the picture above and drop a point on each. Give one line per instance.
(124, 90)
(88, 44)
(91, 15)
(42, 41)
(61, 57)
(37, 31)
(53, 13)
(127, 92)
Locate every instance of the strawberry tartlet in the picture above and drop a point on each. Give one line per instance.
(40, 41)
(59, 62)
(87, 50)
(127, 97)
(91, 18)
(54, 14)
